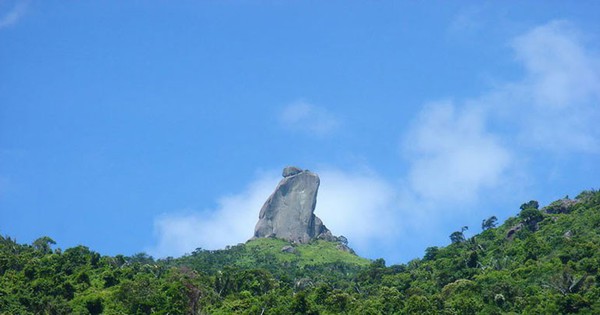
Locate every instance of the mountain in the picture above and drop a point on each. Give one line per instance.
(542, 261)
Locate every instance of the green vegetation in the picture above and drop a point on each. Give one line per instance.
(543, 261)
(319, 252)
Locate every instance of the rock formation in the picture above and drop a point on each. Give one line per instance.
(288, 212)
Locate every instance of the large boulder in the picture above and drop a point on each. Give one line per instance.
(288, 212)
(291, 171)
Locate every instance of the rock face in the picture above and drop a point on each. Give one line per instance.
(288, 213)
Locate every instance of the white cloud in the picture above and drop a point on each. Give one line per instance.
(451, 154)
(305, 117)
(230, 223)
(14, 13)
(560, 72)
(556, 106)
(360, 206)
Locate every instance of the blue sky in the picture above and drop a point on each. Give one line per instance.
(161, 127)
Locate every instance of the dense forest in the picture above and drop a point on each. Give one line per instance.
(542, 261)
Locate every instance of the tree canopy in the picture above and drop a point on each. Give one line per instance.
(549, 269)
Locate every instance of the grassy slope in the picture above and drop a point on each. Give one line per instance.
(316, 253)
(266, 253)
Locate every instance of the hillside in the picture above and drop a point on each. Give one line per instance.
(318, 260)
(542, 261)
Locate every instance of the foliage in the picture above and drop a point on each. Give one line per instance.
(550, 266)
(532, 204)
(489, 223)
(458, 236)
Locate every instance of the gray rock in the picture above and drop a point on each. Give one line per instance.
(291, 171)
(345, 248)
(511, 233)
(288, 212)
(327, 236)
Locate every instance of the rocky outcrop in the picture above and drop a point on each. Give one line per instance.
(511, 233)
(345, 248)
(564, 205)
(288, 212)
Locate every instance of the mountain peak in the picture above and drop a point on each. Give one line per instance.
(289, 212)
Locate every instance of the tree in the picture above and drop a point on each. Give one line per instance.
(458, 236)
(532, 204)
(530, 217)
(43, 244)
(418, 304)
(489, 223)
(141, 295)
(301, 305)
(141, 258)
(338, 301)
(431, 252)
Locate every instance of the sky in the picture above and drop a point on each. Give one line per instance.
(162, 127)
